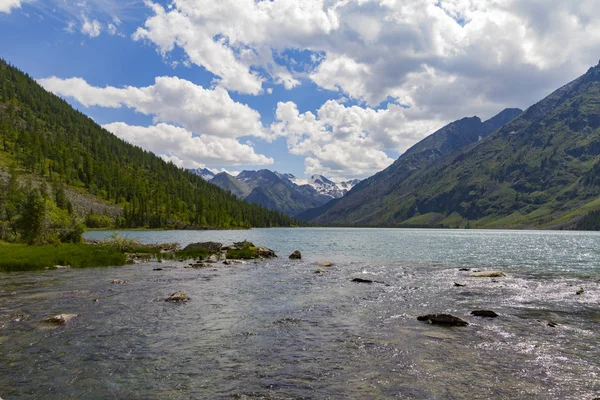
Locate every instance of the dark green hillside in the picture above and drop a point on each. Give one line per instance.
(540, 170)
(46, 138)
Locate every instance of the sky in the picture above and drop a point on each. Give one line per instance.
(333, 87)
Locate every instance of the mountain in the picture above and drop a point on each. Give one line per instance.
(541, 170)
(203, 173)
(281, 192)
(357, 205)
(327, 187)
(50, 142)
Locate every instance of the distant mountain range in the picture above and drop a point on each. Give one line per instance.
(281, 192)
(539, 168)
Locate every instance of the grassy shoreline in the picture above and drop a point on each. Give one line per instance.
(22, 258)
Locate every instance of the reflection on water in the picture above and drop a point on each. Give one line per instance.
(276, 330)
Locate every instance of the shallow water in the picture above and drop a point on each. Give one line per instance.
(276, 330)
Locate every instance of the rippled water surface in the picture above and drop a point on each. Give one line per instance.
(276, 330)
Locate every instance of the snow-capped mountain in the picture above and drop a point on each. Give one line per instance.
(327, 187)
(204, 173)
(282, 192)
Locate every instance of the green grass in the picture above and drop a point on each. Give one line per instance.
(18, 257)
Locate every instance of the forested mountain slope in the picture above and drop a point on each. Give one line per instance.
(540, 170)
(47, 138)
(358, 206)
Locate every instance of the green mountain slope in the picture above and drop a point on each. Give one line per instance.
(540, 170)
(365, 200)
(48, 139)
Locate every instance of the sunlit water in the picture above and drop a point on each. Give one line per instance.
(276, 330)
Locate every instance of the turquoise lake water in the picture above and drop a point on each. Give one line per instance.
(274, 329)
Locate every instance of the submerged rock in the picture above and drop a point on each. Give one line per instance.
(230, 262)
(324, 263)
(157, 269)
(320, 271)
(484, 313)
(459, 284)
(212, 247)
(552, 324)
(296, 255)
(442, 319)
(579, 292)
(198, 265)
(177, 297)
(60, 319)
(464, 269)
(361, 280)
(488, 274)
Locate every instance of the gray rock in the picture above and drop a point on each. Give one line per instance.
(484, 313)
(361, 280)
(488, 274)
(177, 297)
(296, 255)
(442, 319)
(60, 319)
(213, 247)
(324, 263)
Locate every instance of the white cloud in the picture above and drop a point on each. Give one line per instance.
(343, 141)
(186, 150)
(91, 28)
(172, 100)
(373, 50)
(6, 6)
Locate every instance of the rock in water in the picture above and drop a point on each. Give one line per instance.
(489, 274)
(361, 280)
(296, 255)
(320, 271)
(459, 284)
(177, 297)
(442, 319)
(325, 263)
(212, 247)
(484, 313)
(263, 252)
(60, 319)
(579, 292)
(118, 282)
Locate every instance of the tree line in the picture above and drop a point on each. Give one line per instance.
(46, 137)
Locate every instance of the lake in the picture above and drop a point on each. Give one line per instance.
(274, 329)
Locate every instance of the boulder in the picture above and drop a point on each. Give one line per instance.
(464, 269)
(488, 274)
(263, 252)
(60, 319)
(231, 262)
(459, 284)
(324, 263)
(361, 280)
(579, 292)
(62, 266)
(442, 319)
(177, 297)
(241, 245)
(296, 255)
(212, 247)
(320, 271)
(484, 313)
(212, 259)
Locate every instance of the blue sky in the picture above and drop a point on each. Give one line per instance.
(335, 87)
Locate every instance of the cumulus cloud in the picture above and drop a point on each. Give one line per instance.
(194, 126)
(185, 149)
(343, 141)
(170, 99)
(373, 50)
(6, 6)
